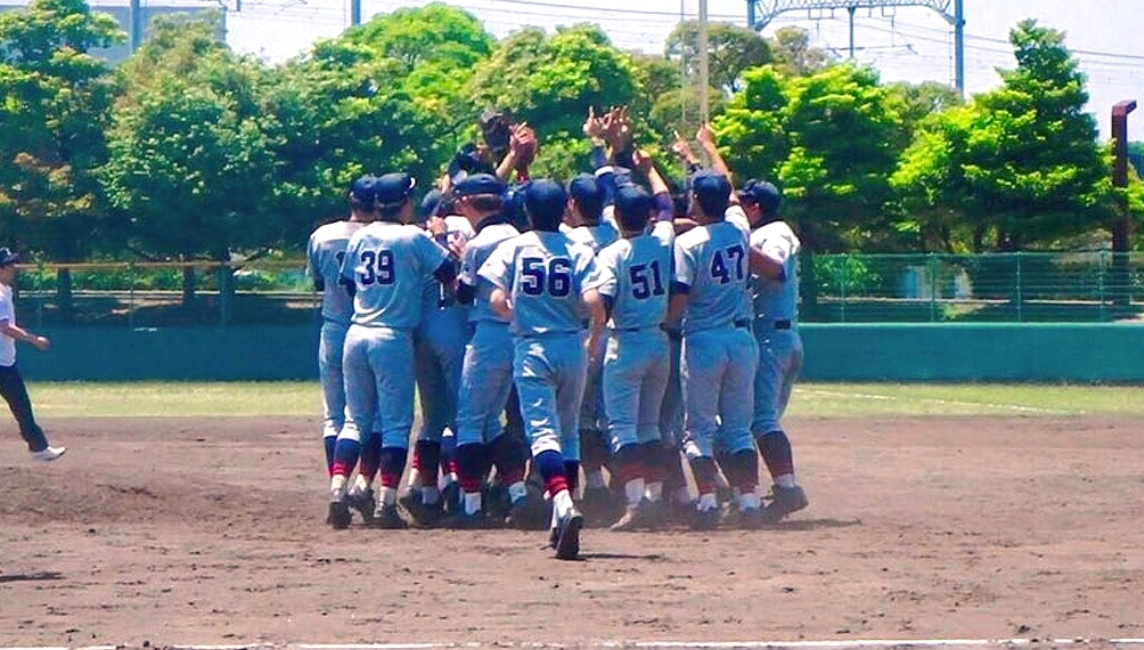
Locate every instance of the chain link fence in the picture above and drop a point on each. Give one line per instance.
(928, 288)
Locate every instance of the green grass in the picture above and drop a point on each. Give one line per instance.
(193, 399)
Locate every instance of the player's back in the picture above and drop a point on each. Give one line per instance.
(388, 264)
(777, 299)
(713, 261)
(637, 275)
(488, 237)
(596, 236)
(544, 274)
(324, 252)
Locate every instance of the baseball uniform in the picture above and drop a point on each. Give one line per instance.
(325, 251)
(387, 264)
(719, 354)
(547, 278)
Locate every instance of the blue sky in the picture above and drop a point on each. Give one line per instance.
(913, 44)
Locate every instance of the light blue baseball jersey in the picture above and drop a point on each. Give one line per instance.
(712, 264)
(777, 299)
(636, 274)
(597, 237)
(325, 251)
(490, 234)
(545, 274)
(389, 264)
(458, 230)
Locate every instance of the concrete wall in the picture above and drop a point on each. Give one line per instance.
(922, 352)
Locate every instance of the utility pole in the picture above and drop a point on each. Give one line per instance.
(704, 66)
(355, 13)
(1122, 226)
(135, 16)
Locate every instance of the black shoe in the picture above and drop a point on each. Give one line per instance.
(568, 536)
(339, 516)
(465, 521)
(451, 499)
(599, 505)
(530, 512)
(388, 518)
(752, 518)
(364, 503)
(785, 501)
(705, 519)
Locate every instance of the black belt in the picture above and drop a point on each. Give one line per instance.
(782, 325)
(743, 322)
(628, 330)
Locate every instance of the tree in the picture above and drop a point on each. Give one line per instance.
(438, 48)
(828, 141)
(919, 101)
(793, 54)
(56, 105)
(732, 50)
(550, 82)
(190, 159)
(337, 113)
(1020, 163)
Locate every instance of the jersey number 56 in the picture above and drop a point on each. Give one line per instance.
(537, 277)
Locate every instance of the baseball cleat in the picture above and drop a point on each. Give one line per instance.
(339, 516)
(466, 521)
(785, 501)
(364, 503)
(752, 518)
(568, 536)
(388, 518)
(705, 519)
(529, 513)
(48, 454)
(645, 515)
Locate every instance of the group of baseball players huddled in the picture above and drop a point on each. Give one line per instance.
(606, 327)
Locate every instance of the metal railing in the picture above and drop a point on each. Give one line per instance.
(1019, 287)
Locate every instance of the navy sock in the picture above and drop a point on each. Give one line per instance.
(371, 456)
(330, 442)
(392, 465)
(430, 453)
(470, 466)
(776, 451)
(346, 454)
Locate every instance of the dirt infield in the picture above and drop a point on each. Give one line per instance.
(211, 531)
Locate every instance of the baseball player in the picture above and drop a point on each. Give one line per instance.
(11, 381)
(486, 376)
(325, 251)
(710, 294)
(780, 347)
(585, 224)
(440, 352)
(386, 264)
(636, 272)
(545, 284)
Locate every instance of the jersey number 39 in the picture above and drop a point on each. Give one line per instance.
(377, 267)
(537, 277)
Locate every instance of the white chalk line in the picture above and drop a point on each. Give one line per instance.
(936, 400)
(857, 644)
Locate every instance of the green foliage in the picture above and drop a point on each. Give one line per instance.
(828, 140)
(190, 160)
(55, 109)
(550, 83)
(1020, 162)
(793, 54)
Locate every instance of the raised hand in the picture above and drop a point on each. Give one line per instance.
(706, 136)
(593, 126)
(682, 149)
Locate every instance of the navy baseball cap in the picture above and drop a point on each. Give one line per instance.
(546, 201)
(7, 257)
(585, 189)
(393, 189)
(763, 194)
(364, 190)
(712, 191)
(430, 204)
(632, 200)
(478, 184)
